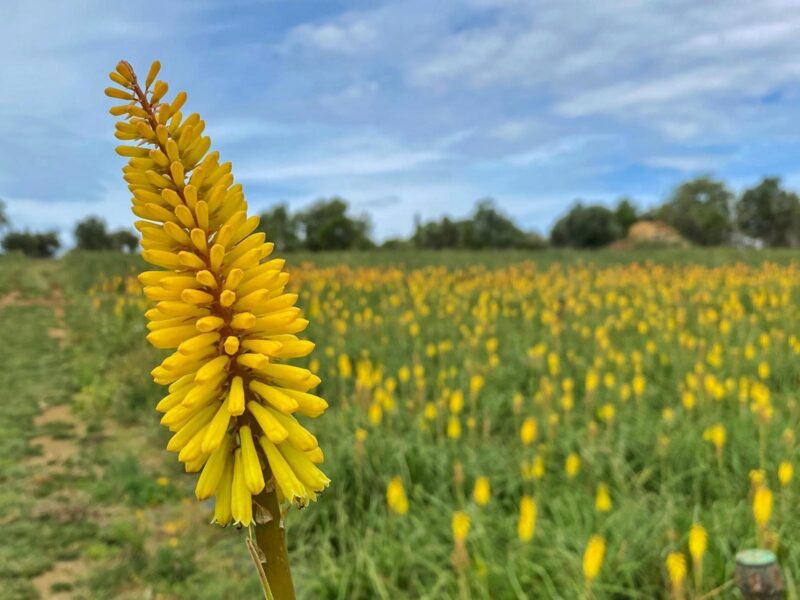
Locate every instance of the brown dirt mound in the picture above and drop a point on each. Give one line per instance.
(652, 234)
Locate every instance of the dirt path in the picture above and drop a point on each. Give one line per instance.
(56, 435)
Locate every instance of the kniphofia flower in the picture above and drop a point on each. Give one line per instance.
(526, 525)
(396, 498)
(676, 569)
(221, 307)
(593, 557)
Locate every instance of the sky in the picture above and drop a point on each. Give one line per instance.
(409, 107)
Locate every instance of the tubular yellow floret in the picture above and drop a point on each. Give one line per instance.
(219, 305)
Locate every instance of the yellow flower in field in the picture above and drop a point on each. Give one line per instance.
(668, 415)
(757, 478)
(222, 308)
(698, 542)
(453, 428)
(404, 374)
(482, 492)
(593, 557)
(361, 434)
(529, 431)
(396, 496)
(476, 384)
(716, 434)
(688, 400)
(572, 465)
(762, 506)
(345, 366)
(602, 501)
(456, 402)
(375, 413)
(591, 381)
(430, 411)
(785, 473)
(516, 402)
(460, 526)
(553, 364)
(537, 469)
(676, 568)
(639, 383)
(763, 370)
(526, 525)
(606, 412)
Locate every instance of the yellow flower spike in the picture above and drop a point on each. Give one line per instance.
(762, 506)
(482, 492)
(602, 503)
(207, 254)
(676, 569)
(460, 526)
(593, 558)
(785, 473)
(396, 497)
(526, 525)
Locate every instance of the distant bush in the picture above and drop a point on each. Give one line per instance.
(486, 228)
(586, 227)
(91, 234)
(770, 214)
(325, 225)
(700, 210)
(35, 245)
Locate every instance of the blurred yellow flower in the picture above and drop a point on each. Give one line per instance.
(593, 557)
(785, 473)
(526, 525)
(572, 465)
(482, 492)
(396, 496)
(460, 525)
(602, 502)
(762, 506)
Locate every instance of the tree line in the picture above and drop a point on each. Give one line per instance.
(703, 210)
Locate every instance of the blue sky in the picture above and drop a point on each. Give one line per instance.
(409, 107)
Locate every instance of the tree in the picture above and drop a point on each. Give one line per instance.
(586, 227)
(490, 229)
(700, 210)
(770, 213)
(325, 225)
(626, 215)
(486, 228)
(35, 245)
(91, 234)
(280, 228)
(4, 220)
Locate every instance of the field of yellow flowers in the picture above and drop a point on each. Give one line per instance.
(500, 426)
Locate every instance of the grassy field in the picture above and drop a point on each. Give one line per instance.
(667, 379)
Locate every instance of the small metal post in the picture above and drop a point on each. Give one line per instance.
(758, 575)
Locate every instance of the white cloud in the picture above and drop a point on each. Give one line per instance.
(358, 156)
(689, 163)
(347, 35)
